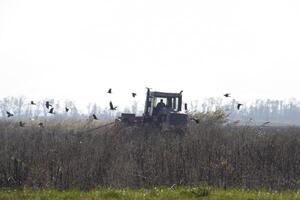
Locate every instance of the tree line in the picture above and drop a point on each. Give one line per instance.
(278, 112)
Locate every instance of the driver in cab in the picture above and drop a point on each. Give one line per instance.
(160, 106)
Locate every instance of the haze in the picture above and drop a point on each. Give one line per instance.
(78, 49)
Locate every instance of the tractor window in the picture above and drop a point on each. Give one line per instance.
(157, 100)
(157, 105)
(175, 104)
(170, 102)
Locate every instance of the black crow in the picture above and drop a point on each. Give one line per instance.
(227, 95)
(227, 115)
(51, 111)
(22, 124)
(32, 103)
(239, 106)
(67, 109)
(236, 122)
(266, 123)
(111, 106)
(133, 94)
(109, 91)
(95, 117)
(9, 114)
(41, 125)
(196, 120)
(48, 105)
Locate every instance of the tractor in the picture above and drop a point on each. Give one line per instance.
(161, 109)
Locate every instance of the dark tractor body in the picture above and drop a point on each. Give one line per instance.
(167, 113)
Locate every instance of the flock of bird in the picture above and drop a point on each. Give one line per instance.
(238, 106)
(111, 107)
(227, 95)
(51, 110)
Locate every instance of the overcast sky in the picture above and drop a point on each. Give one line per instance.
(78, 49)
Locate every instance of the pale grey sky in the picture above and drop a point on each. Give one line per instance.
(78, 49)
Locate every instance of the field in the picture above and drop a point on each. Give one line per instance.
(204, 193)
(65, 156)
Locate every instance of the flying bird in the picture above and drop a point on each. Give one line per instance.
(22, 124)
(112, 106)
(109, 91)
(196, 120)
(67, 109)
(227, 95)
(266, 123)
(48, 105)
(95, 117)
(239, 106)
(9, 114)
(32, 103)
(227, 115)
(51, 111)
(41, 125)
(236, 122)
(133, 94)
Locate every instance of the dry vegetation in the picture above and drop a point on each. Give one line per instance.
(64, 156)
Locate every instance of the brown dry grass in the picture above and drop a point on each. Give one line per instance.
(62, 155)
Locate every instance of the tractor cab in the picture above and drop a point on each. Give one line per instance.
(162, 107)
(162, 102)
